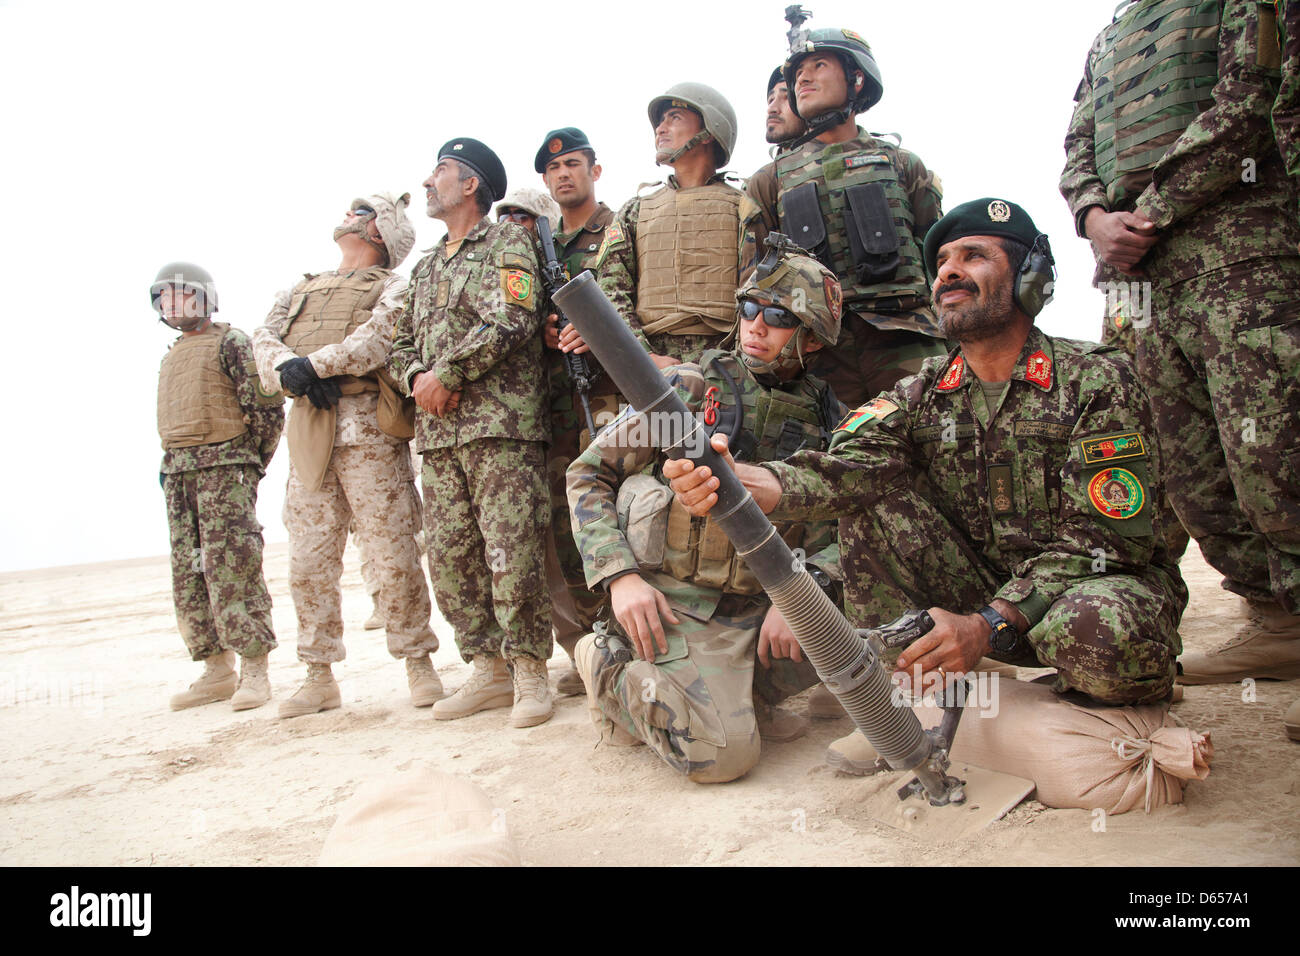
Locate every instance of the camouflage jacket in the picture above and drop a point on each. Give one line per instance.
(473, 322)
(577, 252)
(1220, 193)
(1286, 109)
(361, 353)
(621, 450)
(762, 187)
(263, 413)
(1039, 492)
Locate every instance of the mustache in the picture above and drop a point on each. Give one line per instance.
(961, 285)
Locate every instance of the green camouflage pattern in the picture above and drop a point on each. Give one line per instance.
(946, 502)
(805, 287)
(869, 360)
(263, 412)
(1286, 108)
(216, 556)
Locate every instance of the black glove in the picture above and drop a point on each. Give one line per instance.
(296, 375)
(323, 393)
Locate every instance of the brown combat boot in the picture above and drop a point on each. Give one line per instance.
(319, 692)
(426, 687)
(1265, 647)
(854, 754)
(254, 685)
(376, 619)
(218, 682)
(570, 683)
(824, 705)
(533, 703)
(489, 686)
(777, 723)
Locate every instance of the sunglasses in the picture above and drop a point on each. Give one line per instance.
(516, 215)
(362, 211)
(773, 315)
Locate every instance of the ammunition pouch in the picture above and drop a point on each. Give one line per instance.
(873, 237)
(803, 221)
(642, 505)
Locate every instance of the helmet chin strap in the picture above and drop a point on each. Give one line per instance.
(791, 358)
(701, 137)
(184, 328)
(820, 124)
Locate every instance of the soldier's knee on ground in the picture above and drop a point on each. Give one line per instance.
(729, 763)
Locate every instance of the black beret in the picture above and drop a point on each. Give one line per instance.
(778, 76)
(558, 142)
(479, 158)
(979, 217)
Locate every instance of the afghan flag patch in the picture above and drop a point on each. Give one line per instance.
(1112, 448)
(876, 408)
(1116, 493)
(518, 285)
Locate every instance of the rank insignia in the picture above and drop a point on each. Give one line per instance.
(1000, 490)
(1038, 369)
(999, 211)
(880, 408)
(850, 35)
(1112, 448)
(952, 378)
(518, 284)
(1116, 493)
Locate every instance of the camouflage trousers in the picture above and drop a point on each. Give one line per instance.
(371, 488)
(694, 705)
(868, 360)
(369, 573)
(486, 512)
(217, 583)
(1113, 637)
(1221, 363)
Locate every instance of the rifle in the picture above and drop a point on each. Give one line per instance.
(553, 277)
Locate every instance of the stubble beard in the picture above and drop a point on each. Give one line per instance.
(979, 319)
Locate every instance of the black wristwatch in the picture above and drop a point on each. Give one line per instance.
(1004, 637)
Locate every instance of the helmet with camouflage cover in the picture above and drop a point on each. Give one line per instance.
(190, 278)
(719, 117)
(788, 277)
(396, 231)
(853, 52)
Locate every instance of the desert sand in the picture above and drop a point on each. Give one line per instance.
(97, 770)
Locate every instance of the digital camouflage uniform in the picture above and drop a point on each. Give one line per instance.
(1221, 356)
(888, 328)
(211, 492)
(675, 289)
(1286, 109)
(694, 705)
(472, 321)
(574, 608)
(1051, 501)
(367, 482)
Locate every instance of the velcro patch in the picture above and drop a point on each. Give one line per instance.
(866, 159)
(880, 408)
(1116, 493)
(1109, 448)
(518, 286)
(1000, 490)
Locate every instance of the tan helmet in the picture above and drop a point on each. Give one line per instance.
(394, 225)
(719, 117)
(190, 277)
(532, 201)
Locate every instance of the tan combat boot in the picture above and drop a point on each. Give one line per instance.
(1291, 721)
(533, 704)
(319, 692)
(489, 686)
(824, 705)
(254, 686)
(570, 683)
(218, 682)
(854, 754)
(1267, 646)
(376, 619)
(777, 723)
(426, 688)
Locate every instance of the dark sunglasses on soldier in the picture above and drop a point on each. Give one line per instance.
(363, 211)
(773, 315)
(515, 215)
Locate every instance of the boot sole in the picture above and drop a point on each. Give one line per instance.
(428, 701)
(249, 705)
(532, 721)
(328, 705)
(209, 699)
(491, 703)
(1280, 672)
(1293, 731)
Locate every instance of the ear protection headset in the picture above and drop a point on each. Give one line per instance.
(1036, 278)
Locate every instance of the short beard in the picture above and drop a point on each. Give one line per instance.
(977, 320)
(357, 225)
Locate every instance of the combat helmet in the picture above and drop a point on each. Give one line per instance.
(788, 277)
(854, 53)
(190, 278)
(719, 117)
(394, 225)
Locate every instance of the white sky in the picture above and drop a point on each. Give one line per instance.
(235, 135)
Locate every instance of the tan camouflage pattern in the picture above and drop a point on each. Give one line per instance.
(394, 224)
(949, 503)
(530, 200)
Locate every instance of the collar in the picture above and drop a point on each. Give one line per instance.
(715, 178)
(476, 233)
(1035, 365)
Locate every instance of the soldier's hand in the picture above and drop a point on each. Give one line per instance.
(1120, 239)
(664, 361)
(297, 375)
(324, 393)
(551, 331)
(953, 646)
(571, 340)
(775, 639)
(638, 608)
(431, 395)
(696, 487)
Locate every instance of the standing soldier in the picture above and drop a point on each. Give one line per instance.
(468, 350)
(783, 127)
(326, 342)
(862, 206)
(219, 429)
(568, 166)
(525, 206)
(1179, 183)
(671, 261)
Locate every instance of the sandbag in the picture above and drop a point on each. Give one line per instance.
(419, 818)
(1085, 756)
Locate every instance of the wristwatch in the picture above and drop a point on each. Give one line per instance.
(1004, 637)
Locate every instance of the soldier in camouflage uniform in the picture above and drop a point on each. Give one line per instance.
(469, 351)
(219, 429)
(567, 164)
(783, 126)
(667, 261)
(862, 205)
(1173, 173)
(680, 594)
(326, 341)
(1013, 487)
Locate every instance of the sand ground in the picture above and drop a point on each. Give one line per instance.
(97, 770)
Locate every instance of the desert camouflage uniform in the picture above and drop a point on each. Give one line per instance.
(473, 322)
(693, 705)
(946, 502)
(574, 608)
(216, 540)
(367, 485)
(619, 274)
(1221, 358)
(885, 336)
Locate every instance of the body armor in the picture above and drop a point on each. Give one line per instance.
(326, 309)
(197, 404)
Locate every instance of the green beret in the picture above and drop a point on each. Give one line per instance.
(479, 158)
(557, 143)
(980, 217)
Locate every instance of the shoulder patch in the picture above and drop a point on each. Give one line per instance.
(518, 286)
(1108, 448)
(614, 237)
(877, 408)
(1116, 493)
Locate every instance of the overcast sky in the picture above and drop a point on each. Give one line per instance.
(235, 136)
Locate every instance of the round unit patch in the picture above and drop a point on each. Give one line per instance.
(1116, 493)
